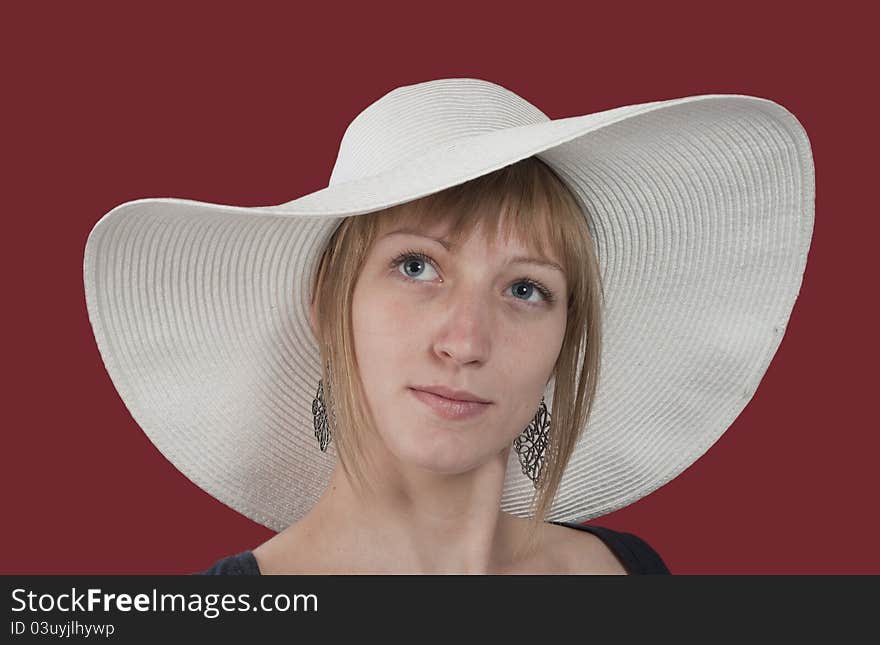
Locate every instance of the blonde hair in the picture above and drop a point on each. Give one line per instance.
(541, 212)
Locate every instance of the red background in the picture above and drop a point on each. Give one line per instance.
(105, 103)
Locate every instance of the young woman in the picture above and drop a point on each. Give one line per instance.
(516, 324)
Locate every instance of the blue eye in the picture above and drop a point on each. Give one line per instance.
(413, 258)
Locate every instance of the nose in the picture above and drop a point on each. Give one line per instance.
(466, 329)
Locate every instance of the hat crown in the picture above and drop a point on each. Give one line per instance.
(414, 119)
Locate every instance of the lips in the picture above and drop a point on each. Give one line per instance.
(448, 408)
(451, 394)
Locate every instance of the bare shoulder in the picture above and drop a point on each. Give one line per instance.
(583, 552)
(267, 556)
(286, 552)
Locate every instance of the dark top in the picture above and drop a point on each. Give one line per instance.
(636, 556)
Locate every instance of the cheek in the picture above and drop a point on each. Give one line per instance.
(526, 361)
(380, 322)
(384, 337)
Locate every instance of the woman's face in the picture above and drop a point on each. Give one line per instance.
(464, 318)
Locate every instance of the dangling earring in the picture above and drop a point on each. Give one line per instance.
(532, 442)
(319, 410)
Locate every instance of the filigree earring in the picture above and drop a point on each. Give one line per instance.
(319, 411)
(532, 442)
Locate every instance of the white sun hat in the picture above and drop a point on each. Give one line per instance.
(701, 209)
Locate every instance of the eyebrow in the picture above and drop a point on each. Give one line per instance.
(449, 246)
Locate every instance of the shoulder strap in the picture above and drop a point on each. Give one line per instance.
(240, 564)
(637, 556)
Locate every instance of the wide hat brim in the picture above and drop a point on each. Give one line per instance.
(702, 212)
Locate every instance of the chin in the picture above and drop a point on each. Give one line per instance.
(436, 460)
(435, 448)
